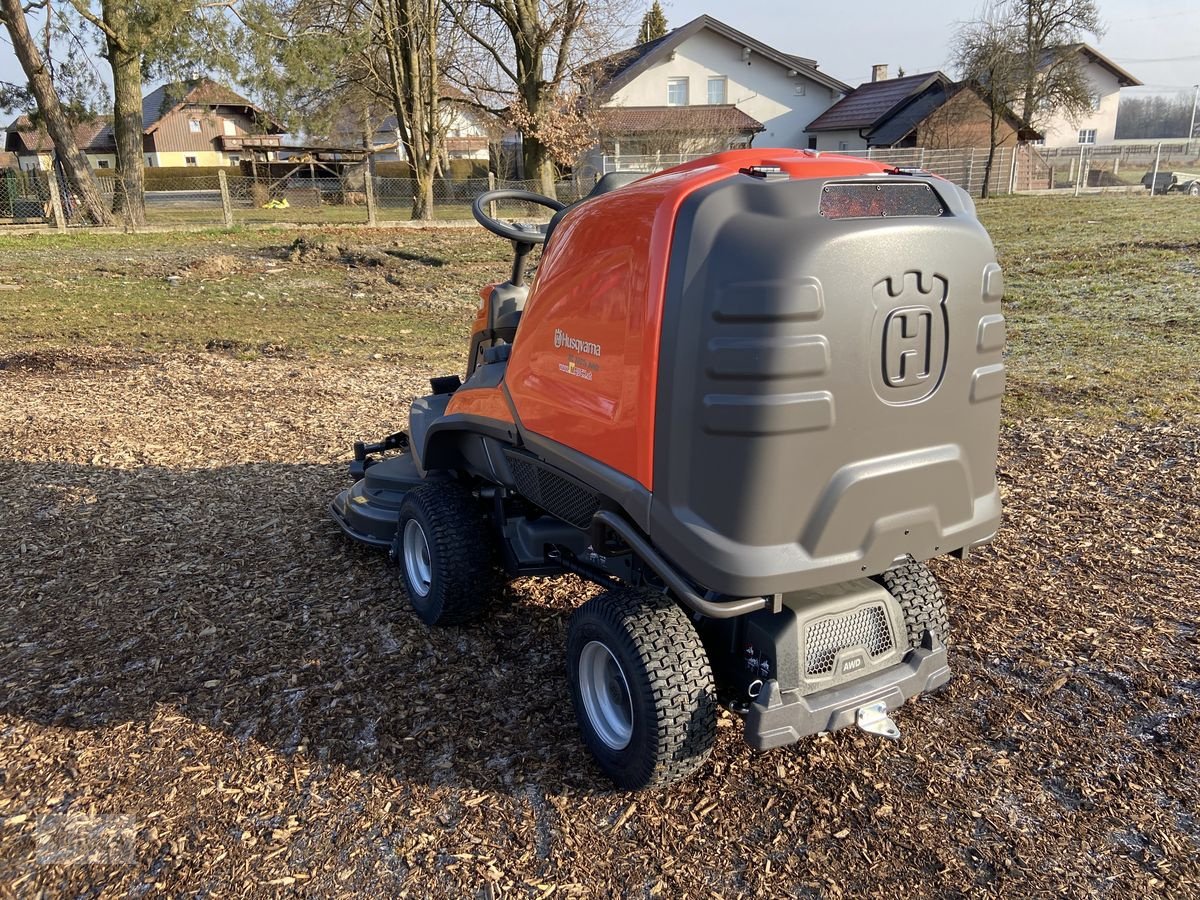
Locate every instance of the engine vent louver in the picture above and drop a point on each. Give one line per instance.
(556, 493)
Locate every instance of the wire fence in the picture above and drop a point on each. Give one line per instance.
(223, 200)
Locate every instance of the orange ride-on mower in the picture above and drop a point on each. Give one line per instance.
(748, 396)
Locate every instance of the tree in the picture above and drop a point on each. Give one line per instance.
(1051, 76)
(51, 112)
(988, 55)
(525, 53)
(148, 37)
(340, 63)
(1022, 56)
(654, 24)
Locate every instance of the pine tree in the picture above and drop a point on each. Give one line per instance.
(654, 24)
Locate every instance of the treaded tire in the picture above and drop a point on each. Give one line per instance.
(923, 603)
(670, 686)
(460, 550)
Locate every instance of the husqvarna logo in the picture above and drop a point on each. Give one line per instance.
(906, 347)
(562, 339)
(911, 332)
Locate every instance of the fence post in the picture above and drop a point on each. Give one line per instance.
(1079, 180)
(970, 170)
(56, 207)
(226, 205)
(1012, 172)
(369, 192)
(1154, 177)
(492, 187)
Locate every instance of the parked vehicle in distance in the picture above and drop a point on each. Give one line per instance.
(1166, 182)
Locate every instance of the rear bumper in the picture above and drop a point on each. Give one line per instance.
(778, 718)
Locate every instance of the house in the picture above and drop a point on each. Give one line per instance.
(193, 123)
(468, 135)
(704, 86)
(928, 110)
(33, 149)
(1106, 78)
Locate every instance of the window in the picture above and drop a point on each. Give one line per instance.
(677, 92)
(717, 90)
(149, 162)
(1096, 101)
(189, 160)
(234, 159)
(843, 145)
(194, 126)
(102, 164)
(812, 143)
(1087, 135)
(230, 127)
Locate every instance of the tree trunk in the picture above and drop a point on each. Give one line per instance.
(987, 168)
(128, 130)
(72, 159)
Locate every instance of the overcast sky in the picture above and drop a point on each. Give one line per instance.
(1158, 42)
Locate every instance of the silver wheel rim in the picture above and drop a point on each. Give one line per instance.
(416, 558)
(605, 694)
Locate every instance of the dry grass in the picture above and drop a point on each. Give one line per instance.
(187, 641)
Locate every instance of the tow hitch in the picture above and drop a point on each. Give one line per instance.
(874, 719)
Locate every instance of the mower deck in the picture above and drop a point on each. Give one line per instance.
(369, 510)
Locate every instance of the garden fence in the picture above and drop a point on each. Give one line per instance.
(33, 198)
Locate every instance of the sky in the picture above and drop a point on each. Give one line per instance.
(1157, 42)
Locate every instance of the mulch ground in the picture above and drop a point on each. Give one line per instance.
(193, 657)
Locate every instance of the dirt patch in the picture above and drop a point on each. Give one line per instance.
(69, 361)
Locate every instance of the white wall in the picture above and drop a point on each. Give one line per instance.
(840, 140)
(761, 89)
(1061, 130)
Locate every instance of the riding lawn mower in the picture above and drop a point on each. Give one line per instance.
(748, 396)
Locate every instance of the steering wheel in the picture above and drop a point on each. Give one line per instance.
(515, 232)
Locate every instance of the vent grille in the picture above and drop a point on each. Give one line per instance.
(555, 493)
(865, 627)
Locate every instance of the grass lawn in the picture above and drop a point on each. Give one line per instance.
(1103, 319)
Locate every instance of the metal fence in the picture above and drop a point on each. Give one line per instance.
(1087, 168)
(34, 198)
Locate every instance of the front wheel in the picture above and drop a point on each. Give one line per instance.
(642, 688)
(443, 545)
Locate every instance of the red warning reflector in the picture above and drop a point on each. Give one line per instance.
(857, 200)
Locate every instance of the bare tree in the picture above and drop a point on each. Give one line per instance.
(525, 54)
(73, 161)
(987, 53)
(1052, 77)
(1023, 56)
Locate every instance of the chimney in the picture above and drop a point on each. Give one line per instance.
(879, 72)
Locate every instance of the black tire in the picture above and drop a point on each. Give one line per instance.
(923, 603)
(672, 702)
(459, 547)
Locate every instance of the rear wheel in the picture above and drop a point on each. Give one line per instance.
(1194, 189)
(443, 545)
(642, 687)
(923, 603)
